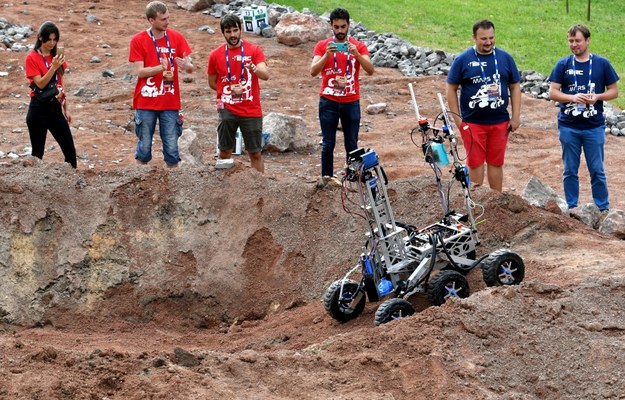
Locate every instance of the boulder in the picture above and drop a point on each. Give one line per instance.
(613, 224)
(285, 132)
(538, 194)
(195, 5)
(297, 28)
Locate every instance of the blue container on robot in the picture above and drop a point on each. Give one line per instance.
(439, 154)
(367, 264)
(369, 159)
(384, 287)
(466, 175)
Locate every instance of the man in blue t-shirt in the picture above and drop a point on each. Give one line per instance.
(488, 80)
(581, 83)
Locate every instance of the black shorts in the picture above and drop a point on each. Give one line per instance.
(251, 130)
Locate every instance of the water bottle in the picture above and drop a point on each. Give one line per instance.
(238, 144)
(384, 287)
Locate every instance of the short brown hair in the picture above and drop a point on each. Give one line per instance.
(154, 8)
(483, 24)
(229, 21)
(579, 28)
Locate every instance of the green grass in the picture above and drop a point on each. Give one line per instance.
(533, 31)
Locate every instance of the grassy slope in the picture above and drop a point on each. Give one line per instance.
(533, 31)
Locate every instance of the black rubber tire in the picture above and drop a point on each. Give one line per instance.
(445, 284)
(393, 309)
(503, 267)
(341, 309)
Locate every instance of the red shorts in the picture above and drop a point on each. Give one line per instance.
(484, 143)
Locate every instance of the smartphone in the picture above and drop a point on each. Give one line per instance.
(60, 50)
(341, 46)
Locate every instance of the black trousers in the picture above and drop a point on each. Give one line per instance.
(44, 116)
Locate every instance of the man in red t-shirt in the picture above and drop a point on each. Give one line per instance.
(157, 54)
(233, 71)
(339, 59)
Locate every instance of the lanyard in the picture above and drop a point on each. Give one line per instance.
(242, 78)
(45, 61)
(158, 49)
(336, 64)
(589, 74)
(482, 67)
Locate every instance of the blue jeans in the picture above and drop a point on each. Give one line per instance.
(330, 112)
(170, 129)
(591, 141)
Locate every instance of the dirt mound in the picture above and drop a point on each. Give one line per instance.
(139, 282)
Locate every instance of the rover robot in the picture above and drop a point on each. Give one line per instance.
(399, 260)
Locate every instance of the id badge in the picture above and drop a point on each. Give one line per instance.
(339, 83)
(237, 91)
(493, 92)
(168, 79)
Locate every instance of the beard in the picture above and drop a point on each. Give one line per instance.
(233, 41)
(340, 36)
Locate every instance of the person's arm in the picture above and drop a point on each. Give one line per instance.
(318, 62)
(452, 102)
(212, 81)
(185, 63)
(261, 70)
(611, 93)
(365, 61)
(556, 94)
(515, 102)
(68, 116)
(42, 80)
(145, 72)
(366, 64)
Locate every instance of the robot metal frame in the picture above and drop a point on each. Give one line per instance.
(399, 260)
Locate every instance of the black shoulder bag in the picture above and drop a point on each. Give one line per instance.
(48, 92)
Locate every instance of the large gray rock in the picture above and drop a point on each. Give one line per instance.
(587, 213)
(538, 194)
(377, 108)
(613, 224)
(286, 132)
(297, 28)
(195, 5)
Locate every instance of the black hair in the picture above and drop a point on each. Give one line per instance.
(230, 21)
(339, 13)
(483, 24)
(45, 30)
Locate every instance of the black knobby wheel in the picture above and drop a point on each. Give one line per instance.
(347, 305)
(446, 284)
(503, 267)
(393, 309)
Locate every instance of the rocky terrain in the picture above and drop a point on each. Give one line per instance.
(120, 281)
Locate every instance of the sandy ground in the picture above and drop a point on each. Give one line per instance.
(556, 336)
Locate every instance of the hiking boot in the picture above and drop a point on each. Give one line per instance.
(603, 215)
